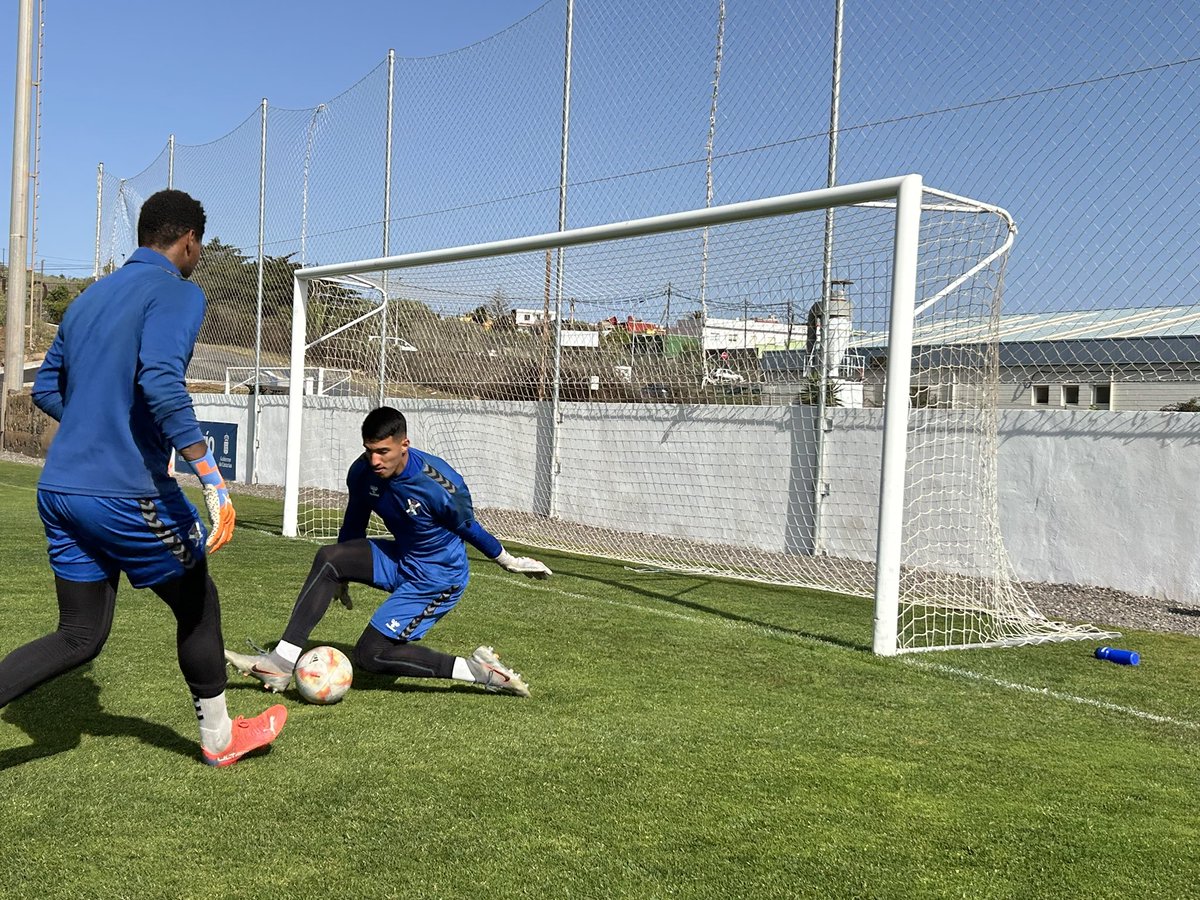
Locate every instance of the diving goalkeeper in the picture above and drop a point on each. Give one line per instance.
(426, 507)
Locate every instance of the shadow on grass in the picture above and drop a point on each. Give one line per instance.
(59, 713)
(677, 600)
(369, 681)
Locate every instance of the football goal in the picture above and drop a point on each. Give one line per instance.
(798, 390)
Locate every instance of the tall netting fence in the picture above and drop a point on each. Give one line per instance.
(1079, 120)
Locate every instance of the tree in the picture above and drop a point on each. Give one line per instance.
(1192, 405)
(57, 300)
(498, 309)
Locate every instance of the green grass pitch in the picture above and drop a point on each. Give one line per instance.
(687, 738)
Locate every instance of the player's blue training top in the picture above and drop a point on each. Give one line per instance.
(114, 378)
(427, 508)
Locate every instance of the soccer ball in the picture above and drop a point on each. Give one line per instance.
(323, 675)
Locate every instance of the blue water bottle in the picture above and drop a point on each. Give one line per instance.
(1121, 657)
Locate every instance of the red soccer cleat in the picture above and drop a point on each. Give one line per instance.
(249, 734)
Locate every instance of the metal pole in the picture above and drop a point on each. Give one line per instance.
(835, 95)
(708, 182)
(308, 146)
(258, 317)
(895, 421)
(556, 403)
(387, 216)
(99, 217)
(14, 344)
(170, 161)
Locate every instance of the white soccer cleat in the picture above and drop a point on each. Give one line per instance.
(259, 666)
(485, 665)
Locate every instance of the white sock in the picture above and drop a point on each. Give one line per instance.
(284, 655)
(216, 728)
(290, 652)
(462, 672)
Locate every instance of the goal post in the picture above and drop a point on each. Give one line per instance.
(895, 418)
(690, 392)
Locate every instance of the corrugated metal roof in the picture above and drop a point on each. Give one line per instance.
(1108, 353)
(1091, 324)
(1163, 336)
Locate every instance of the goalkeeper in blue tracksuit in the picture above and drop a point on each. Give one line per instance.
(114, 380)
(426, 507)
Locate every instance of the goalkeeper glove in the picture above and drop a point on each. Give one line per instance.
(523, 565)
(221, 514)
(343, 595)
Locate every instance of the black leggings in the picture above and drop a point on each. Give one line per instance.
(352, 561)
(383, 655)
(85, 615)
(333, 566)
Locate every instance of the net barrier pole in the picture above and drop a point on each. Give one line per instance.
(556, 402)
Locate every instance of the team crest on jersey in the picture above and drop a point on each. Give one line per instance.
(414, 507)
(374, 490)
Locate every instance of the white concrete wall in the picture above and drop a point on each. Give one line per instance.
(1100, 498)
(1103, 498)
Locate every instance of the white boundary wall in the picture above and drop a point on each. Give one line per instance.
(1086, 497)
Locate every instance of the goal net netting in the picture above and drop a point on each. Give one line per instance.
(708, 399)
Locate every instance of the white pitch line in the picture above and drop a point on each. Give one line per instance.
(734, 625)
(1047, 692)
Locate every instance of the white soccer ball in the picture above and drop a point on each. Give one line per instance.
(323, 675)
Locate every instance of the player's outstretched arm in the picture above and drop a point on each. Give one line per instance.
(487, 544)
(523, 565)
(221, 514)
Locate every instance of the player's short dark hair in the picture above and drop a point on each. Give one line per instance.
(167, 216)
(382, 423)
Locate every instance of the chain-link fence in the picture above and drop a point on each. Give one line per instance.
(1077, 118)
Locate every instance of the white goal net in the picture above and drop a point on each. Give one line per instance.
(722, 392)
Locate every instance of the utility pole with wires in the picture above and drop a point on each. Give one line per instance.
(14, 333)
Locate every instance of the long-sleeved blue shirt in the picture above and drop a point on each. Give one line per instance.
(427, 508)
(114, 379)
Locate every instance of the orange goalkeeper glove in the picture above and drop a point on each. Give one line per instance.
(220, 509)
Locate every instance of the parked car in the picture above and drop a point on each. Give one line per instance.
(656, 391)
(722, 376)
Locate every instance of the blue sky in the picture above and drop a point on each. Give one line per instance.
(119, 78)
(1078, 116)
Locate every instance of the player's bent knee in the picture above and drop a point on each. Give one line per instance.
(82, 644)
(367, 652)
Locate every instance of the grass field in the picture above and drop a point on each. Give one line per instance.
(686, 738)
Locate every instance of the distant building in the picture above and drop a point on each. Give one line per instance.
(630, 325)
(1129, 359)
(531, 318)
(757, 334)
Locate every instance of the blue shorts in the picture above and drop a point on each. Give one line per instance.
(415, 605)
(151, 540)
